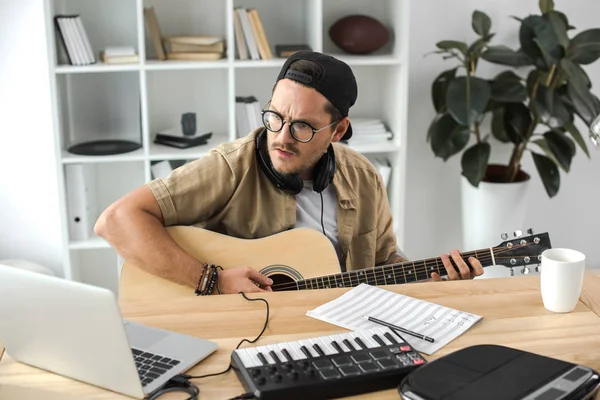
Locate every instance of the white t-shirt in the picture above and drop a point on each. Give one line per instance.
(308, 212)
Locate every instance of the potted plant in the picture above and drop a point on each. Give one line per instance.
(532, 107)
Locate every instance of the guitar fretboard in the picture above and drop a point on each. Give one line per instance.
(391, 274)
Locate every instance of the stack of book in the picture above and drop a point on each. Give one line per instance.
(250, 38)
(194, 47)
(74, 39)
(119, 55)
(175, 138)
(369, 130)
(384, 167)
(183, 47)
(247, 115)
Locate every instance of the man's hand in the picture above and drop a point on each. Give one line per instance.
(464, 271)
(243, 279)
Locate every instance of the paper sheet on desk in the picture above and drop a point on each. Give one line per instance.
(441, 323)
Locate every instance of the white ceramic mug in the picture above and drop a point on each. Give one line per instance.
(561, 279)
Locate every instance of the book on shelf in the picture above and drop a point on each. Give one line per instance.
(369, 130)
(176, 138)
(183, 47)
(251, 39)
(247, 114)
(119, 55)
(74, 39)
(286, 50)
(384, 167)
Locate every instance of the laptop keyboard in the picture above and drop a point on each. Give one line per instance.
(151, 366)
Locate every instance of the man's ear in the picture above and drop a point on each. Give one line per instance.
(340, 129)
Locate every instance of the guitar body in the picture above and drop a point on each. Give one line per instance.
(285, 257)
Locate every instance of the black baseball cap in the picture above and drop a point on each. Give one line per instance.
(337, 82)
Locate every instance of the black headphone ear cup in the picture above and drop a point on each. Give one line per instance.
(292, 185)
(324, 171)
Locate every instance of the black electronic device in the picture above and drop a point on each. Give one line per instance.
(326, 367)
(495, 372)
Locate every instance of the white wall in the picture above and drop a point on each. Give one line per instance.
(433, 198)
(29, 210)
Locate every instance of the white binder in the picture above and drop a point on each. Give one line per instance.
(81, 201)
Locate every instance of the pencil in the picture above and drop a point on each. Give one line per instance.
(392, 326)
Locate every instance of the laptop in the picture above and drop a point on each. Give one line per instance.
(76, 330)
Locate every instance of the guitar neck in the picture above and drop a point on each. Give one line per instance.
(391, 274)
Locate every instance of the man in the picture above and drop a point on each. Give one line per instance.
(284, 175)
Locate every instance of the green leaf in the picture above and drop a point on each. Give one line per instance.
(587, 107)
(572, 129)
(508, 88)
(481, 23)
(452, 44)
(517, 120)
(577, 87)
(467, 98)
(549, 108)
(543, 144)
(506, 56)
(548, 173)
(585, 47)
(561, 147)
(559, 27)
(546, 6)
(439, 89)
(536, 34)
(447, 137)
(498, 125)
(474, 162)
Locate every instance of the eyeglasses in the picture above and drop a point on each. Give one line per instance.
(302, 131)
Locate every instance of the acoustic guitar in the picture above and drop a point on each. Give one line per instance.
(300, 259)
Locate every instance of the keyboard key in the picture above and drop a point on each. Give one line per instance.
(287, 355)
(159, 371)
(329, 373)
(147, 355)
(146, 381)
(262, 358)
(322, 364)
(360, 343)
(318, 349)
(306, 351)
(390, 337)
(337, 346)
(274, 356)
(156, 358)
(146, 362)
(350, 370)
(418, 361)
(136, 352)
(173, 362)
(349, 345)
(166, 360)
(379, 340)
(360, 358)
(368, 367)
(151, 375)
(342, 360)
(162, 365)
(387, 363)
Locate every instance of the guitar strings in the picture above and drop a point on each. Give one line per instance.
(379, 271)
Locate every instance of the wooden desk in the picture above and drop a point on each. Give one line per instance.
(512, 309)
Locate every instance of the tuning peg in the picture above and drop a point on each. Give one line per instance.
(530, 231)
(504, 236)
(512, 273)
(517, 234)
(537, 268)
(525, 271)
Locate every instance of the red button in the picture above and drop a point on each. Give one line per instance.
(405, 348)
(418, 361)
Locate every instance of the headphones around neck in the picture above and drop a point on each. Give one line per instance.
(291, 183)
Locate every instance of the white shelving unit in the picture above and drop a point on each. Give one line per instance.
(134, 101)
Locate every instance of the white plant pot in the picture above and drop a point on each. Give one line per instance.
(490, 210)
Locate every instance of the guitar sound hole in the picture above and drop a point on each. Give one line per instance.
(283, 283)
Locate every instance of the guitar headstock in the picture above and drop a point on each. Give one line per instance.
(522, 251)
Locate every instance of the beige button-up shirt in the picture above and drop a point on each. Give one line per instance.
(225, 191)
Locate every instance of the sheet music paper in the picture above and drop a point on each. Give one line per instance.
(441, 323)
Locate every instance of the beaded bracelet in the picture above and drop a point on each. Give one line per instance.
(201, 280)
